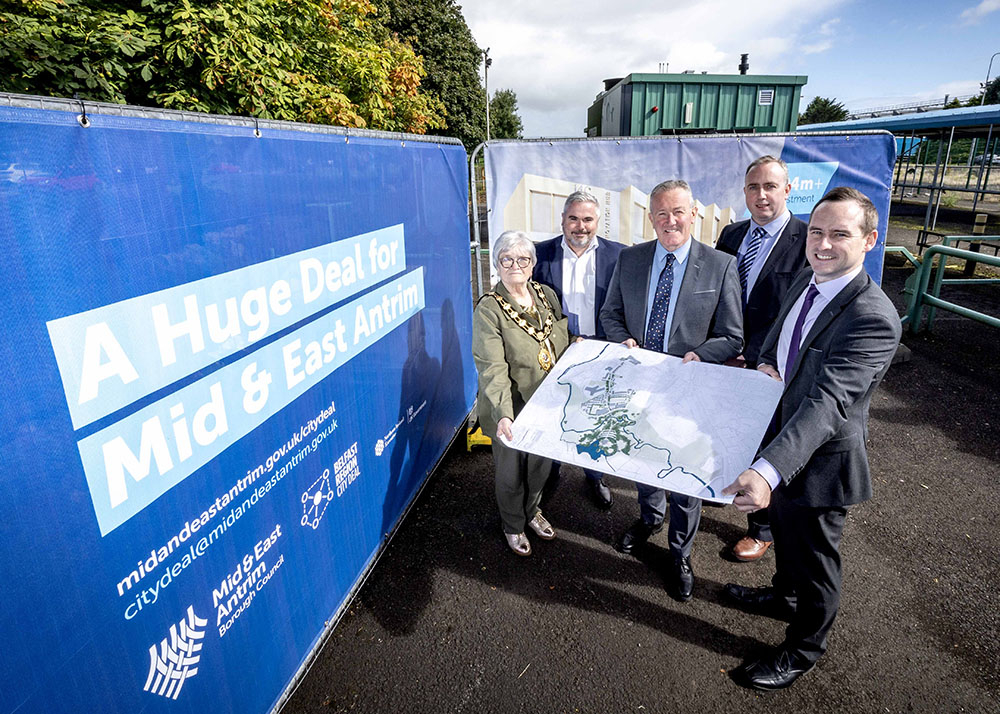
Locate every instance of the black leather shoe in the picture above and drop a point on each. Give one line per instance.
(764, 600)
(600, 493)
(776, 671)
(681, 580)
(637, 534)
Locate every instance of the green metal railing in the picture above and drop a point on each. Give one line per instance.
(975, 242)
(970, 266)
(902, 250)
(924, 293)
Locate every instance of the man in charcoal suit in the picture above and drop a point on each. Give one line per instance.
(577, 265)
(770, 252)
(831, 344)
(678, 296)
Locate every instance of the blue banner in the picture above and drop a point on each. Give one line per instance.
(230, 362)
(527, 181)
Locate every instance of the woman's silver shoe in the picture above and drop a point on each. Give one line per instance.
(542, 527)
(518, 543)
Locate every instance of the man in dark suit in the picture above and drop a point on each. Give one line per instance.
(577, 265)
(831, 344)
(678, 296)
(770, 252)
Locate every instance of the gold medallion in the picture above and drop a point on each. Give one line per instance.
(545, 358)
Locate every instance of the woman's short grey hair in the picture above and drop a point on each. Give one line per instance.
(510, 241)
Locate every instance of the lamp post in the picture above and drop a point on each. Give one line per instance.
(486, 82)
(982, 100)
(987, 83)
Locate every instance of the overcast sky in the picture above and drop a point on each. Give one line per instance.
(556, 54)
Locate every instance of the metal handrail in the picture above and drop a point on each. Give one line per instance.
(922, 296)
(939, 278)
(857, 113)
(902, 250)
(981, 238)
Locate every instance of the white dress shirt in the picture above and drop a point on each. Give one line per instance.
(828, 290)
(579, 288)
(772, 233)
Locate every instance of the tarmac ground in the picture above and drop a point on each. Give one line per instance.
(450, 620)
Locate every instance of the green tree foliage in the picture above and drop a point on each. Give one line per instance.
(992, 94)
(321, 61)
(504, 120)
(821, 110)
(438, 33)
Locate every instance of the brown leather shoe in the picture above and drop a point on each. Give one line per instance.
(748, 549)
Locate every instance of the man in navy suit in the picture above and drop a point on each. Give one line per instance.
(577, 265)
(681, 297)
(770, 252)
(831, 344)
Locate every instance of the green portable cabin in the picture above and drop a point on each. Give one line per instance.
(651, 104)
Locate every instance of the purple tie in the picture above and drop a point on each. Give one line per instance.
(793, 347)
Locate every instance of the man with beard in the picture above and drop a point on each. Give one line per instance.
(577, 265)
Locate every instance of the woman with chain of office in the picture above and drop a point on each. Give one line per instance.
(518, 332)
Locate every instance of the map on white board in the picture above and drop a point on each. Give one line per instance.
(690, 428)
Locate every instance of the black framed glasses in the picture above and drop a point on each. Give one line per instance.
(522, 261)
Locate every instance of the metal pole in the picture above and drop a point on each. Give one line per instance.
(926, 146)
(899, 166)
(935, 289)
(979, 180)
(930, 198)
(486, 82)
(914, 159)
(477, 242)
(989, 166)
(911, 160)
(987, 82)
(944, 177)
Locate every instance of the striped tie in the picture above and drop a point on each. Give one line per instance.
(746, 262)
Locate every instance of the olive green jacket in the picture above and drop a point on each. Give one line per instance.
(507, 357)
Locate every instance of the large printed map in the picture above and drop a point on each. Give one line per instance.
(645, 416)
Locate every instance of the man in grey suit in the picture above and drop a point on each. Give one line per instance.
(831, 345)
(678, 296)
(770, 252)
(577, 265)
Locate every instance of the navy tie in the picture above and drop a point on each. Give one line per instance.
(661, 303)
(746, 262)
(793, 347)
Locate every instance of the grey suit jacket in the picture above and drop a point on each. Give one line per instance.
(822, 419)
(708, 319)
